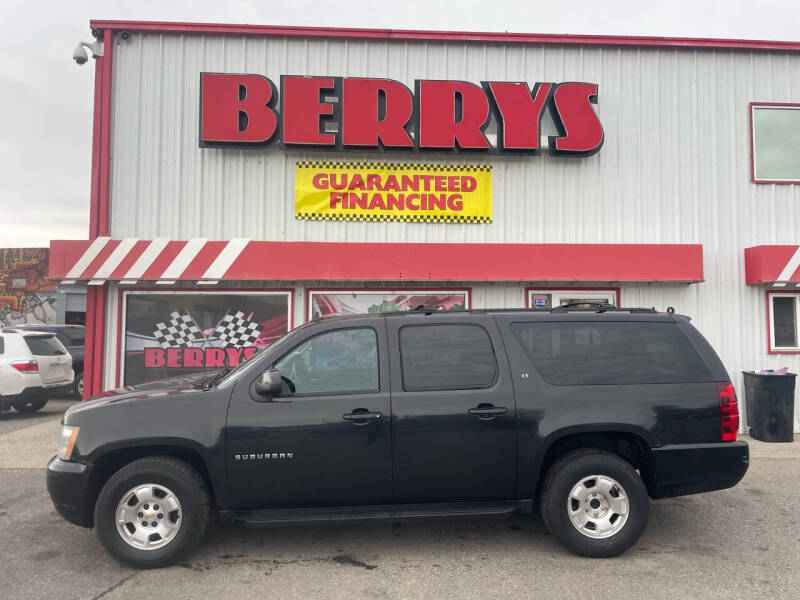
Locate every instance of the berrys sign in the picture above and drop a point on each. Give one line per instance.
(383, 114)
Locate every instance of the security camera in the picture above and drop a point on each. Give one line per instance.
(79, 55)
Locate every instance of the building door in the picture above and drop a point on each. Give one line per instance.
(326, 438)
(453, 411)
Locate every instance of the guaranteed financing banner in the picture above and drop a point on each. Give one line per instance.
(419, 193)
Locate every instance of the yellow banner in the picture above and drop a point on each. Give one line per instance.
(365, 191)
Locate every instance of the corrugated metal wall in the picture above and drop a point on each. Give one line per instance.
(675, 166)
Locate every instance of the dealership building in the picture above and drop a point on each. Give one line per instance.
(246, 179)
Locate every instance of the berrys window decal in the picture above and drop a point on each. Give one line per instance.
(178, 333)
(359, 113)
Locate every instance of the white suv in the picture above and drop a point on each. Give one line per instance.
(34, 366)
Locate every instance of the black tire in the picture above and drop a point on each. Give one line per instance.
(77, 386)
(29, 406)
(570, 469)
(178, 477)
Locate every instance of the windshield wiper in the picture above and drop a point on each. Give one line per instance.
(211, 381)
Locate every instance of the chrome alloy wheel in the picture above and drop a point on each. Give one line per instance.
(598, 506)
(149, 516)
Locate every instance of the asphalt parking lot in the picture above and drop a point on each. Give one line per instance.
(739, 543)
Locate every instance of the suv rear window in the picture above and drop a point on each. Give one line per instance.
(591, 353)
(446, 357)
(43, 345)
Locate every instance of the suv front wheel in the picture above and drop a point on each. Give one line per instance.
(152, 512)
(594, 503)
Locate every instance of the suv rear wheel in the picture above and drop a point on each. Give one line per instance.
(594, 503)
(77, 386)
(152, 512)
(29, 406)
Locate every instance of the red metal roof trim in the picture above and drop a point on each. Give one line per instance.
(354, 33)
(245, 260)
(774, 265)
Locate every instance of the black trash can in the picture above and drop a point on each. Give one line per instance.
(770, 406)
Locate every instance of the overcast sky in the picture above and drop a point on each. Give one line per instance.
(46, 99)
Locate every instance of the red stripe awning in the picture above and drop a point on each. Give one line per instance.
(204, 261)
(773, 265)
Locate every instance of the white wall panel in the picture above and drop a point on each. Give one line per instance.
(675, 167)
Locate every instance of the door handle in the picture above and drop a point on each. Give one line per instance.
(487, 411)
(362, 416)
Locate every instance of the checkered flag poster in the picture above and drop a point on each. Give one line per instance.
(236, 331)
(181, 331)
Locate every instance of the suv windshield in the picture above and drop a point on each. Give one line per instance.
(44, 345)
(234, 373)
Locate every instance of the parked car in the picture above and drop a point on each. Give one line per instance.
(34, 366)
(73, 337)
(414, 414)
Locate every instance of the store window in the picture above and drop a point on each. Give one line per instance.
(335, 362)
(446, 357)
(166, 334)
(578, 297)
(784, 315)
(775, 139)
(349, 302)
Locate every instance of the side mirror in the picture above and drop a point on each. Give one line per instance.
(269, 384)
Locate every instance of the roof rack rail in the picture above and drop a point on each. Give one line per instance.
(576, 307)
(601, 309)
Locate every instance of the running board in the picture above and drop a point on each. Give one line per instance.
(381, 512)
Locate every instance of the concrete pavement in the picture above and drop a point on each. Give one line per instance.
(738, 543)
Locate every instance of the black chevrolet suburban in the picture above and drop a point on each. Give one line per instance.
(585, 413)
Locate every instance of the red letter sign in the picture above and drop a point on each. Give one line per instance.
(236, 109)
(518, 113)
(375, 111)
(302, 107)
(580, 129)
(452, 112)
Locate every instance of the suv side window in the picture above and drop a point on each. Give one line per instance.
(446, 357)
(592, 353)
(342, 361)
(2, 344)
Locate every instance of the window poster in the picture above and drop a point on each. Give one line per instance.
(177, 333)
(341, 302)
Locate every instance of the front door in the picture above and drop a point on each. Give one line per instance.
(453, 412)
(326, 438)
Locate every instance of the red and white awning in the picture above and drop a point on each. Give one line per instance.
(778, 266)
(204, 261)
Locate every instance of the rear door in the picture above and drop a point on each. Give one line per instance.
(453, 412)
(54, 361)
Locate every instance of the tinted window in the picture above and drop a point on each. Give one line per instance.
(73, 336)
(611, 353)
(335, 362)
(43, 345)
(446, 357)
(2, 345)
(784, 317)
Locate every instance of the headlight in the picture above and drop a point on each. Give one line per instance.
(66, 441)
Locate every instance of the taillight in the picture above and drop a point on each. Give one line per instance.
(729, 410)
(26, 366)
